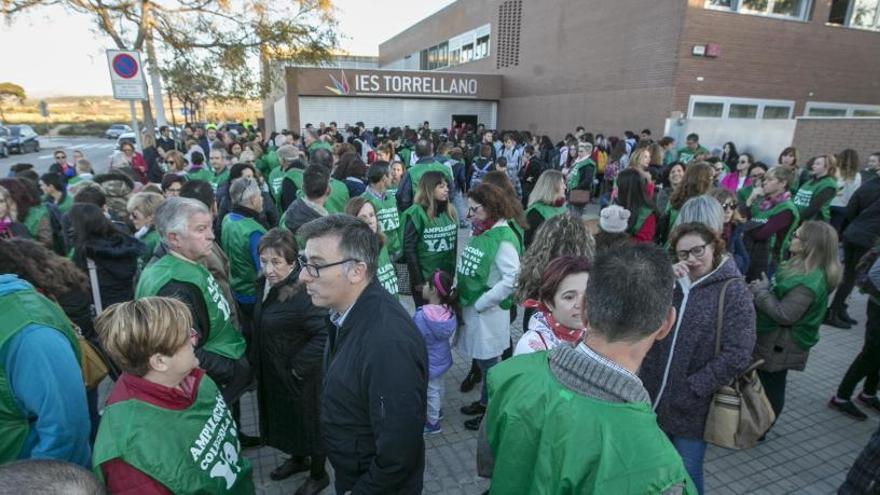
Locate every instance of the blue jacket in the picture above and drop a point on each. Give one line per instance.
(47, 385)
(437, 324)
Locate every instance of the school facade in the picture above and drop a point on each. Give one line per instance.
(670, 65)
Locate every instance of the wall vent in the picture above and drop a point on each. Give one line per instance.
(509, 21)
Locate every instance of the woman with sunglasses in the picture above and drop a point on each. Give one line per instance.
(732, 231)
(487, 272)
(683, 371)
(287, 353)
(739, 179)
(791, 306)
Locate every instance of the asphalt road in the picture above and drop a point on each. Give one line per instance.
(96, 150)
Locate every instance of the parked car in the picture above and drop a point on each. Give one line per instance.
(22, 139)
(115, 130)
(126, 137)
(4, 149)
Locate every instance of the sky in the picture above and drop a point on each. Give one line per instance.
(50, 52)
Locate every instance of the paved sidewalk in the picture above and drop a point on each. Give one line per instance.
(809, 450)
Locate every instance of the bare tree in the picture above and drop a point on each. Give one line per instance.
(230, 37)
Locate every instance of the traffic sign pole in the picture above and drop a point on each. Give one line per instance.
(134, 125)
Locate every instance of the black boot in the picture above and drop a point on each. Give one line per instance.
(833, 319)
(473, 377)
(844, 315)
(288, 468)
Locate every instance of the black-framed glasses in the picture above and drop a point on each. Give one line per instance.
(314, 270)
(60, 157)
(696, 251)
(473, 209)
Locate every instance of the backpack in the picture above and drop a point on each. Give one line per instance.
(481, 168)
(863, 282)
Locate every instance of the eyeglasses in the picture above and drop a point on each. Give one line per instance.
(756, 176)
(60, 157)
(728, 206)
(473, 209)
(314, 270)
(696, 251)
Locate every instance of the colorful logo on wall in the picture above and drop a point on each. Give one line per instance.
(340, 88)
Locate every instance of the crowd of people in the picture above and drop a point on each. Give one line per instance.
(227, 262)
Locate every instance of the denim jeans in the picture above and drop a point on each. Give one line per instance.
(484, 365)
(461, 206)
(435, 399)
(692, 452)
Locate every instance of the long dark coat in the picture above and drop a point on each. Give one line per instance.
(288, 348)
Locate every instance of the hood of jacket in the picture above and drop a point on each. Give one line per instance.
(120, 247)
(438, 319)
(725, 270)
(10, 283)
(300, 213)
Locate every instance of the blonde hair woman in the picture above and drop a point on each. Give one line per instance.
(813, 198)
(546, 201)
(791, 307)
(153, 341)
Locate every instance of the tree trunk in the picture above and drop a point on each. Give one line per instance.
(171, 106)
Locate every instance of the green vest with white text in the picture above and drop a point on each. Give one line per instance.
(192, 450)
(223, 339)
(389, 220)
(476, 263)
(437, 240)
(385, 273)
(811, 188)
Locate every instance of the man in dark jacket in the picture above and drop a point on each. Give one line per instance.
(374, 401)
(861, 228)
(316, 189)
(410, 180)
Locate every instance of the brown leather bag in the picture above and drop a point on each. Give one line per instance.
(740, 413)
(579, 197)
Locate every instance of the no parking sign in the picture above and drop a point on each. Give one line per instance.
(127, 75)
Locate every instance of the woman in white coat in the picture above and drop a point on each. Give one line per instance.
(487, 271)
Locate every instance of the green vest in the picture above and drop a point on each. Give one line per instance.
(476, 262)
(338, 197)
(546, 211)
(437, 240)
(217, 179)
(743, 194)
(389, 219)
(235, 238)
(151, 240)
(32, 220)
(20, 309)
(276, 176)
(805, 332)
(194, 450)
(385, 273)
(574, 177)
(685, 154)
(805, 194)
(644, 213)
(405, 155)
(320, 144)
(223, 339)
(66, 204)
(777, 253)
(548, 439)
(203, 173)
(420, 169)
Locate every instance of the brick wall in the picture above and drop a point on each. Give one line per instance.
(814, 136)
(770, 58)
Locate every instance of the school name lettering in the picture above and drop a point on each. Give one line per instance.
(432, 85)
(214, 450)
(389, 219)
(440, 239)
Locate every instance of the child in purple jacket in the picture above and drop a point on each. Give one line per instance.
(437, 321)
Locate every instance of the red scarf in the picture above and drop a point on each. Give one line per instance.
(480, 226)
(570, 335)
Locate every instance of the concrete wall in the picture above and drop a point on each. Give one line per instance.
(814, 136)
(773, 58)
(764, 139)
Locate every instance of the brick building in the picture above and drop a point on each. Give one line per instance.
(669, 65)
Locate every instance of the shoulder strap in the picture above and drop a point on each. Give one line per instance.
(96, 289)
(720, 320)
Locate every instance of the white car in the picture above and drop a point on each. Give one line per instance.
(116, 130)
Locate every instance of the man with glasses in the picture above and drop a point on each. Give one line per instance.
(374, 400)
(60, 166)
